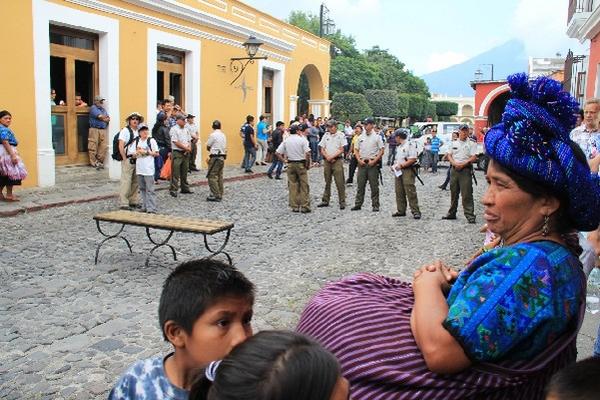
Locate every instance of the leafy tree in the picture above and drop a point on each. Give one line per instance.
(352, 75)
(352, 106)
(403, 104)
(430, 110)
(384, 103)
(417, 106)
(307, 21)
(446, 108)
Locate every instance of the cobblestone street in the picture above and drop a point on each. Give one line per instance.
(69, 328)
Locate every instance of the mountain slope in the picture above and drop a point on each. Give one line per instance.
(507, 58)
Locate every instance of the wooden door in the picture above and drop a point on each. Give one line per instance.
(170, 75)
(267, 106)
(73, 71)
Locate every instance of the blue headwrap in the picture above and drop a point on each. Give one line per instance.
(533, 141)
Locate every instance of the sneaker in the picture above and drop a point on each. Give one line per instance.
(295, 209)
(249, 171)
(172, 193)
(151, 212)
(305, 210)
(375, 209)
(194, 169)
(263, 163)
(449, 216)
(136, 206)
(99, 166)
(269, 176)
(417, 216)
(278, 178)
(442, 187)
(212, 198)
(399, 214)
(355, 208)
(187, 192)
(348, 183)
(343, 207)
(472, 221)
(323, 204)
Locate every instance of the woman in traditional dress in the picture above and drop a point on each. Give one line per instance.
(12, 170)
(501, 327)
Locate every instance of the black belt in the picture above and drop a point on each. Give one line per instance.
(296, 161)
(216, 155)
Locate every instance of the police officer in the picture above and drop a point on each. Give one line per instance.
(332, 149)
(368, 152)
(217, 147)
(462, 155)
(406, 158)
(297, 152)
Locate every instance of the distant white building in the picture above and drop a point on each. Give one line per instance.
(545, 66)
(466, 107)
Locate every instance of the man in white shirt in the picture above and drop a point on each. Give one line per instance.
(181, 146)
(297, 152)
(332, 150)
(128, 192)
(191, 126)
(368, 151)
(585, 133)
(217, 148)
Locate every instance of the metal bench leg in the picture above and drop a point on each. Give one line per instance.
(108, 237)
(220, 249)
(160, 244)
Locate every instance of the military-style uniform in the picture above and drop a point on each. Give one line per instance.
(331, 144)
(217, 142)
(460, 180)
(295, 148)
(369, 147)
(405, 183)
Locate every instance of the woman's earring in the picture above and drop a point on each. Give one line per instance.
(546, 227)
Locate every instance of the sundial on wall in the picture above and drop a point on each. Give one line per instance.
(245, 88)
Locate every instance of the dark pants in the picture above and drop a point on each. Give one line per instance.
(249, 158)
(352, 169)
(445, 184)
(434, 160)
(193, 154)
(461, 184)
(276, 166)
(370, 174)
(314, 149)
(160, 161)
(180, 168)
(391, 155)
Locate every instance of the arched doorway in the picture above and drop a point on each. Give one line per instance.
(496, 108)
(310, 98)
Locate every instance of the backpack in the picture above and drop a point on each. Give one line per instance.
(116, 154)
(243, 131)
(137, 141)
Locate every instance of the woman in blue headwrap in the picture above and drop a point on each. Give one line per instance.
(501, 327)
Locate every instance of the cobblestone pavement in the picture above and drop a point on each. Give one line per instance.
(68, 328)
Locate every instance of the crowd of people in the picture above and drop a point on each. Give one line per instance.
(504, 327)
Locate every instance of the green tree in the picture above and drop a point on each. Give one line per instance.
(430, 111)
(417, 107)
(384, 103)
(446, 108)
(352, 75)
(352, 106)
(403, 105)
(307, 21)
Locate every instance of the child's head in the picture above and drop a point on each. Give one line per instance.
(205, 310)
(277, 365)
(576, 382)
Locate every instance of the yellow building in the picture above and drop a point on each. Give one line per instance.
(135, 52)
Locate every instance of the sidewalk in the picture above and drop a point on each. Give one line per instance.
(82, 184)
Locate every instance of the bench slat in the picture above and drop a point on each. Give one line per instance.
(163, 221)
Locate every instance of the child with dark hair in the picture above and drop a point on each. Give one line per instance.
(274, 365)
(576, 382)
(205, 310)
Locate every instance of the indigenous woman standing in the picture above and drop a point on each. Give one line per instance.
(12, 170)
(504, 325)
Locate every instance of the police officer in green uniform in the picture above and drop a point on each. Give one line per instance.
(332, 150)
(297, 152)
(406, 158)
(462, 155)
(368, 151)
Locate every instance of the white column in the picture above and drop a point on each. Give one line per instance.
(293, 106)
(319, 108)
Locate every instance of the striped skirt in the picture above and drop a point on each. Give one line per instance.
(365, 321)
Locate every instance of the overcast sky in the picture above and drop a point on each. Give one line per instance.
(428, 35)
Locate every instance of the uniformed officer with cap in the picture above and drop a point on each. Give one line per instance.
(368, 151)
(462, 155)
(296, 150)
(332, 149)
(406, 158)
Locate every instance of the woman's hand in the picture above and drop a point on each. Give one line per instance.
(437, 275)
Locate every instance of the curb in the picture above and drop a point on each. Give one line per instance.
(40, 207)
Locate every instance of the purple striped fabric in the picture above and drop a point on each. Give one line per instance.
(365, 321)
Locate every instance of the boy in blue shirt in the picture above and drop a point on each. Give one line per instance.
(205, 310)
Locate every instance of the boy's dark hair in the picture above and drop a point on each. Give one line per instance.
(278, 124)
(262, 117)
(249, 119)
(272, 365)
(577, 381)
(216, 124)
(196, 285)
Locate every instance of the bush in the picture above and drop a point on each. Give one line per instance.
(384, 103)
(417, 107)
(430, 111)
(446, 108)
(403, 100)
(349, 105)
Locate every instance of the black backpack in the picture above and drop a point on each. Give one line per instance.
(116, 154)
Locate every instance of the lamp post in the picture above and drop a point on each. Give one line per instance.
(326, 24)
(236, 64)
(492, 68)
(478, 74)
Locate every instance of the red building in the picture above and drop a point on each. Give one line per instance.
(490, 100)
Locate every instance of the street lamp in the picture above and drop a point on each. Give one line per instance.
(478, 74)
(329, 27)
(492, 68)
(237, 65)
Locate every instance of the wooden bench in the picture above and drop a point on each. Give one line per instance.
(168, 223)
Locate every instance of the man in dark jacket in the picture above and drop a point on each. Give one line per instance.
(276, 139)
